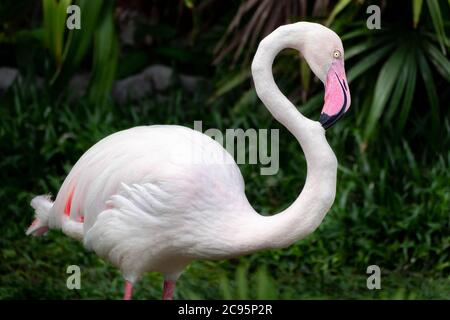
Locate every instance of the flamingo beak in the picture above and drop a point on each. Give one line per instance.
(337, 95)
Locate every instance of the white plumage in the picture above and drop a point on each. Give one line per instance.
(154, 198)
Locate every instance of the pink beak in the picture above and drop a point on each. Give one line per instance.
(337, 95)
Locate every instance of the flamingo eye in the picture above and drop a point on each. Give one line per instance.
(337, 54)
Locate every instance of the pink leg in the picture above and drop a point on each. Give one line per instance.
(128, 290)
(169, 287)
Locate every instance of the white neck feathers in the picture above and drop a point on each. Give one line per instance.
(317, 196)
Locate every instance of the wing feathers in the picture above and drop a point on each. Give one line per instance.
(143, 198)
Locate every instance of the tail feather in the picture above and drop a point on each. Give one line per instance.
(42, 206)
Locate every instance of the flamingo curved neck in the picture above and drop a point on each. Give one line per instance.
(305, 214)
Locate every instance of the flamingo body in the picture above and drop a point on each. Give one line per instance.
(134, 186)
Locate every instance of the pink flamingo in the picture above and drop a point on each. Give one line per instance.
(149, 199)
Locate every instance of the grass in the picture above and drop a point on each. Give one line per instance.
(35, 268)
(391, 207)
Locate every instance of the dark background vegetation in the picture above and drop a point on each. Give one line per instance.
(393, 198)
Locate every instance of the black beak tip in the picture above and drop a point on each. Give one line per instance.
(327, 121)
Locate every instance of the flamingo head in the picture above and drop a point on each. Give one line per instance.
(324, 53)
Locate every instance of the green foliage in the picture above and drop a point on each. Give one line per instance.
(391, 208)
(392, 201)
(54, 22)
(264, 16)
(438, 23)
(69, 48)
(417, 9)
(106, 50)
(403, 60)
(336, 10)
(261, 288)
(78, 42)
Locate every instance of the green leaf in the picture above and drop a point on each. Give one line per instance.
(54, 24)
(336, 10)
(355, 50)
(311, 105)
(383, 88)
(242, 283)
(246, 98)
(397, 94)
(436, 18)
(225, 287)
(305, 74)
(24, 36)
(411, 66)
(265, 288)
(439, 60)
(106, 52)
(230, 83)
(79, 41)
(430, 87)
(369, 61)
(363, 46)
(417, 9)
(361, 31)
(189, 4)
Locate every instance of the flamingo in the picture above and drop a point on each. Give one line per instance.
(148, 198)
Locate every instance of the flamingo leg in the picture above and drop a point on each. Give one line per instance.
(169, 287)
(128, 290)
